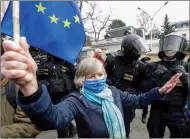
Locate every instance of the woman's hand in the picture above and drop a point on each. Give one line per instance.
(169, 85)
(18, 65)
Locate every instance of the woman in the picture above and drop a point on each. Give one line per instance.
(97, 108)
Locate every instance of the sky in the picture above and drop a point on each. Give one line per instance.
(127, 10)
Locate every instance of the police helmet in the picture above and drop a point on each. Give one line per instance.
(132, 46)
(172, 45)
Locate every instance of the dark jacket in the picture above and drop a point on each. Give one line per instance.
(89, 116)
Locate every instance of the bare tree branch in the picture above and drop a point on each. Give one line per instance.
(81, 4)
(144, 20)
(96, 20)
(104, 23)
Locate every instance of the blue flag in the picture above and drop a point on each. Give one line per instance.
(55, 27)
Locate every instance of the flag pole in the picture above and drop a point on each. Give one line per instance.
(16, 21)
(16, 27)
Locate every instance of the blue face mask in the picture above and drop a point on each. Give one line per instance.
(95, 86)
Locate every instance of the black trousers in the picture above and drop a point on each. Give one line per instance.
(175, 121)
(129, 115)
(145, 112)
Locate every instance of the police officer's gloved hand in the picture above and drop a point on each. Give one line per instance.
(143, 67)
(179, 68)
(161, 69)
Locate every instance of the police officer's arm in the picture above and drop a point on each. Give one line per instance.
(109, 63)
(185, 78)
(21, 128)
(151, 75)
(144, 78)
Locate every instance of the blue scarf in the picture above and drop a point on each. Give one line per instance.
(98, 92)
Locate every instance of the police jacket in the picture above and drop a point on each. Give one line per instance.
(88, 115)
(158, 74)
(123, 73)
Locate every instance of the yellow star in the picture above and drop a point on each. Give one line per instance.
(66, 23)
(40, 8)
(76, 19)
(53, 19)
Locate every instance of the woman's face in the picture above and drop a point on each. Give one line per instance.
(95, 76)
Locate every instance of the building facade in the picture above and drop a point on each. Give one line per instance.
(182, 28)
(113, 38)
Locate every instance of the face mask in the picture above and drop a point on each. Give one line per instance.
(95, 86)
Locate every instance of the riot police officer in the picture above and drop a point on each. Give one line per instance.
(145, 60)
(58, 76)
(187, 107)
(168, 113)
(123, 71)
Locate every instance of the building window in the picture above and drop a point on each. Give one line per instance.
(184, 25)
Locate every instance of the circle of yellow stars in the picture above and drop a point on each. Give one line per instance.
(54, 19)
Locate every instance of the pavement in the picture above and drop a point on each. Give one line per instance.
(139, 130)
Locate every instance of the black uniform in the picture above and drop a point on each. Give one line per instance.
(58, 76)
(187, 107)
(170, 112)
(145, 60)
(124, 69)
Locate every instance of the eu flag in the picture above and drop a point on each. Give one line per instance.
(55, 27)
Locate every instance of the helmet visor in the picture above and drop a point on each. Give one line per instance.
(172, 43)
(141, 45)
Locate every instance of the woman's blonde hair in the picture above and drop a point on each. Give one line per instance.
(85, 67)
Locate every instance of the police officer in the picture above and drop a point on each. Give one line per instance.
(123, 70)
(145, 60)
(58, 75)
(168, 113)
(187, 114)
(187, 107)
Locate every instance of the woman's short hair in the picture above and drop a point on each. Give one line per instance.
(85, 67)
